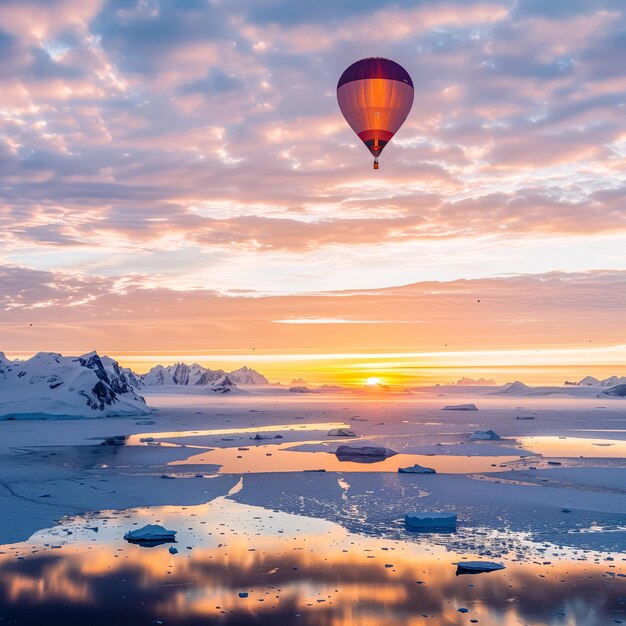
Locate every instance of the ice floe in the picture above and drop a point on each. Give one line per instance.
(430, 521)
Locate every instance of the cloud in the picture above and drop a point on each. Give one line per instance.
(337, 320)
(66, 311)
(210, 131)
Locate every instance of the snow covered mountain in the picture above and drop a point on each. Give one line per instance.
(134, 380)
(49, 384)
(518, 388)
(189, 375)
(246, 376)
(612, 381)
(619, 391)
(481, 382)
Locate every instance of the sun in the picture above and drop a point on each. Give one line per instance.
(374, 380)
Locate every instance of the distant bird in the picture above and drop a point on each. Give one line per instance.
(375, 96)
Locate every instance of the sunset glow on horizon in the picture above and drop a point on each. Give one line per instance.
(399, 369)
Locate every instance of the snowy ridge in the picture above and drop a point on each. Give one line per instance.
(189, 375)
(520, 390)
(247, 376)
(49, 384)
(481, 382)
(619, 391)
(134, 380)
(612, 381)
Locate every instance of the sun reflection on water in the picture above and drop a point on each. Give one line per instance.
(294, 569)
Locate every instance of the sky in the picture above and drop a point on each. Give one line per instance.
(177, 182)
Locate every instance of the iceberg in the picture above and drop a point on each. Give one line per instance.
(460, 407)
(430, 521)
(364, 454)
(341, 432)
(150, 535)
(416, 469)
(486, 435)
(476, 567)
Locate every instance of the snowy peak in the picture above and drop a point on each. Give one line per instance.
(517, 388)
(51, 384)
(481, 382)
(589, 381)
(619, 391)
(247, 376)
(133, 379)
(5, 366)
(612, 381)
(188, 375)
(92, 361)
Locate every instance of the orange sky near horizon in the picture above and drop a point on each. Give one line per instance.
(403, 370)
(540, 328)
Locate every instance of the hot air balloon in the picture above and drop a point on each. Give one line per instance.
(375, 96)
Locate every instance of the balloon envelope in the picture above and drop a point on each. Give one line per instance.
(375, 96)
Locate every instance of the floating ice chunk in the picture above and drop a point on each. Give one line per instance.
(430, 521)
(150, 534)
(173, 550)
(115, 440)
(476, 567)
(460, 407)
(488, 435)
(416, 469)
(525, 417)
(341, 432)
(364, 454)
(145, 422)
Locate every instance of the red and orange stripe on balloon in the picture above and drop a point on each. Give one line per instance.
(375, 96)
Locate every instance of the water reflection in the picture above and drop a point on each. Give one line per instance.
(280, 458)
(575, 446)
(295, 570)
(139, 439)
